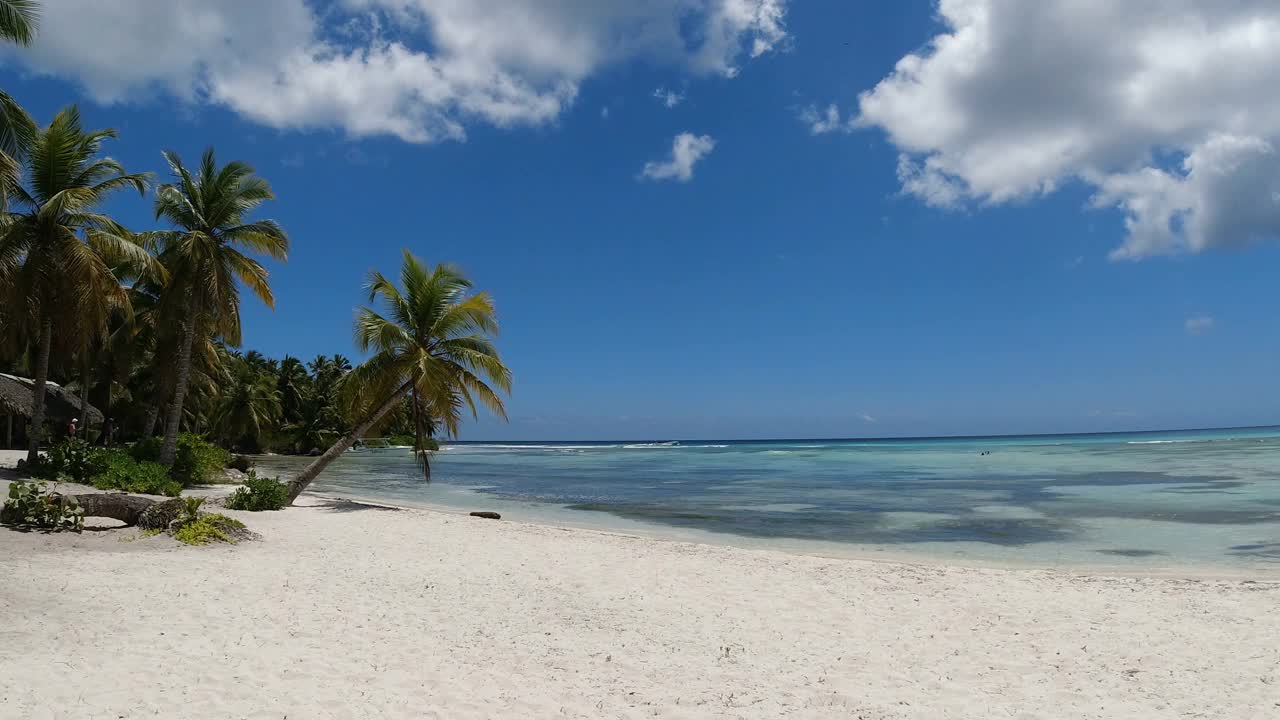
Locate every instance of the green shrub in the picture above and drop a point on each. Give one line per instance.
(193, 528)
(32, 505)
(189, 511)
(207, 529)
(259, 494)
(197, 461)
(70, 460)
(146, 449)
(119, 471)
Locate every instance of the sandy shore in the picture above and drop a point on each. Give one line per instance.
(350, 611)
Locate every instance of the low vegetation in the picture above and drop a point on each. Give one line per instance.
(32, 506)
(259, 494)
(119, 471)
(134, 470)
(196, 528)
(197, 462)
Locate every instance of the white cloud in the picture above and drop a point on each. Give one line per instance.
(825, 121)
(867, 419)
(670, 98)
(1167, 108)
(420, 70)
(1198, 324)
(686, 150)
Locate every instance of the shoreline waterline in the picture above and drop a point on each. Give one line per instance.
(825, 551)
(1192, 501)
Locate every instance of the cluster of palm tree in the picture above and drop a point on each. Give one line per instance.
(144, 323)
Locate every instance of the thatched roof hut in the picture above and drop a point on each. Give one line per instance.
(60, 405)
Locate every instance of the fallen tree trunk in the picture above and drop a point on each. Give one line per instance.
(129, 509)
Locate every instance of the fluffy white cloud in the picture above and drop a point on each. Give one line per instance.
(421, 70)
(686, 150)
(1198, 324)
(1167, 107)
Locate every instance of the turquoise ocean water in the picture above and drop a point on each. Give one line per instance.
(1207, 499)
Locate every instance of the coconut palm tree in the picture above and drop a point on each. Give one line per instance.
(204, 258)
(56, 250)
(293, 383)
(18, 19)
(435, 339)
(248, 408)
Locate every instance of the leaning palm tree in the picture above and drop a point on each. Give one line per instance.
(435, 339)
(56, 251)
(204, 258)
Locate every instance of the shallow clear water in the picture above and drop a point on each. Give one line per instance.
(1204, 499)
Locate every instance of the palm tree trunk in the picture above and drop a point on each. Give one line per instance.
(419, 451)
(37, 391)
(169, 449)
(153, 415)
(84, 396)
(304, 478)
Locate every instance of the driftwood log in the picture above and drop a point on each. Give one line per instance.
(144, 512)
(487, 515)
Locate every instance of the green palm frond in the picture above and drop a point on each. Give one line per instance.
(61, 259)
(433, 335)
(19, 20)
(206, 252)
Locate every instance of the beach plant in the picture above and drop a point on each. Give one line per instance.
(72, 459)
(58, 254)
(209, 528)
(434, 339)
(33, 505)
(196, 462)
(117, 470)
(258, 494)
(196, 528)
(204, 258)
(188, 511)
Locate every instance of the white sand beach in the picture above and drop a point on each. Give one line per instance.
(344, 610)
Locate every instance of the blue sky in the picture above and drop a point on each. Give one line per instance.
(804, 281)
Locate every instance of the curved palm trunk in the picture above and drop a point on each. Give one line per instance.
(37, 391)
(304, 478)
(169, 449)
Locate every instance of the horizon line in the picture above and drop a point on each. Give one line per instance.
(872, 439)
